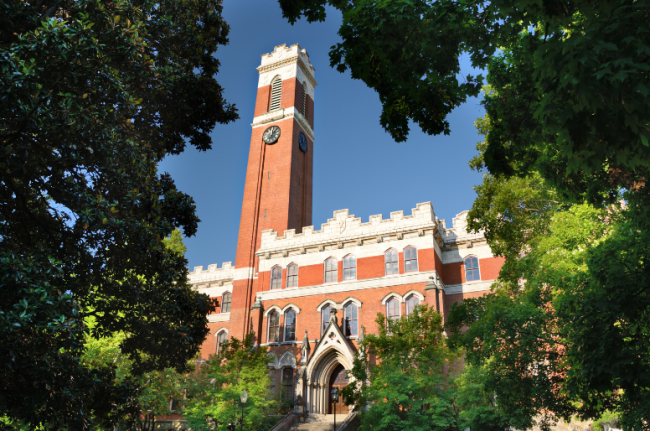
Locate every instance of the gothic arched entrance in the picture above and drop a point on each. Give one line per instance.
(338, 380)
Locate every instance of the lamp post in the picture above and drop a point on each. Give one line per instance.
(335, 399)
(243, 397)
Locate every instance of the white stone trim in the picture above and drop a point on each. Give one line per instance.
(348, 286)
(220, 330)
(350, 299)
(290, 305)
(271, 308)
(459, 254)
(325, 303)
(472, 286)
(414, 293)
(221, 317)
(392, 295)
(281, 114)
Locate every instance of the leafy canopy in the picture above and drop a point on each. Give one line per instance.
(570, 79)
(402, 378)
(238, 367)
(93, 95)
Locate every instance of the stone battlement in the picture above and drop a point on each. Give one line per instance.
(346, 227)
(226, 271)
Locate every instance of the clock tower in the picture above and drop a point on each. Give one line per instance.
(278, 189)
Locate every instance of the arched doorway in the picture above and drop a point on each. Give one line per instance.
(338, 380)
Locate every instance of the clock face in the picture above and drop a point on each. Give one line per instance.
(302, 142)
(271, 135)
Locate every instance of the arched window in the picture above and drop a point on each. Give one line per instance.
(325, 318)
(331, 266)
(290, 325)
(276, 277)
(222, 337)
(472, 272)
(392, 264)
(276, 93)
(292, 275)
(392, 311)
(412, 302)
(410, 259)
(225, 302)
(287, 383)
(274, 327)
(349, 267)
(350, 319)
(303, 99)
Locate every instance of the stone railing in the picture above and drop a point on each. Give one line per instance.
(351, 423)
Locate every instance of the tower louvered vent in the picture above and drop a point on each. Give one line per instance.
(303, 99)
(276, 93)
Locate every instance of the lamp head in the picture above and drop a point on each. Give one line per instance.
(335, 395)
(243, 397)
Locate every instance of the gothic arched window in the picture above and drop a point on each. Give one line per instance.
(410, 259)
(325, 318)
(225, 302)
(274, 327)
(276, 93)
(276, 277)
(287, 383)
(222, 337)
(472, 272)
(349, 267)
(351, 319)
(290, 325)
(331, 267)
(412, 302)
(392, 311)
(292, 275)
(392, 264)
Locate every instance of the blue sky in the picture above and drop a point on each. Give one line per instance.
(356, 163)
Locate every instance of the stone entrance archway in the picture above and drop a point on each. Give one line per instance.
(338, 381)
(332, 354)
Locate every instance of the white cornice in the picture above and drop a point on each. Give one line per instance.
(287, 61)
(282, 114)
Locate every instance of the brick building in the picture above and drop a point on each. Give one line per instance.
(307, 293)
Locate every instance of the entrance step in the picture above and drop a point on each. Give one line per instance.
(319, 423)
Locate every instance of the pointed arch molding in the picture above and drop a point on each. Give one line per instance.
(292, 306)
(399, 297)
(287, 359)
(220, 330)
(339, 305)
(414, 293)
(272, 308)
(325, 304)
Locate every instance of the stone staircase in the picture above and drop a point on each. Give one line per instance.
(319, 423)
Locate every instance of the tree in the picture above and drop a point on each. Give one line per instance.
(478, 407)
(93, 95)
(238, 367)
(406, 385)
(571, 79)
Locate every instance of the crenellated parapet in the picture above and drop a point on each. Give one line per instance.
(213, 276)
(346, 230)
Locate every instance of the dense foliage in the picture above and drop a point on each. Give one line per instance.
(570, 79)
(402, 379)
(565, 330)
(93, 95)
(238, 367)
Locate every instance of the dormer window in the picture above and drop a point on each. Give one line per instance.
(276, 93)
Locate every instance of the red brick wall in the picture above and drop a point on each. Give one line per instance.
(454, 273)
(490, 267)
(262, 101)
(370, 267)
(309, 318)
